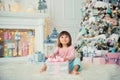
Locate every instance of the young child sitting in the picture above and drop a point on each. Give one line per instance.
(66, 51)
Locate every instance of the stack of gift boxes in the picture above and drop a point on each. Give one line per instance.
(99, 34)
(109, 58)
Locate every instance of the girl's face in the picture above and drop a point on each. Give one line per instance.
(64, 39)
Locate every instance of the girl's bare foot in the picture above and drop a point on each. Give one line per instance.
(43, 68)
(75, 72)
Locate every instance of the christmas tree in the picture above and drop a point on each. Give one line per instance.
(100, 28)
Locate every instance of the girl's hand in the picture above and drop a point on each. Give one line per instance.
(66, 59)
(51, 56)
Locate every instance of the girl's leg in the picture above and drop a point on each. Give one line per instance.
(43, 68)
(75, 66)
(75, 69)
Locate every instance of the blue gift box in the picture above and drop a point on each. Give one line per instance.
(37, 57)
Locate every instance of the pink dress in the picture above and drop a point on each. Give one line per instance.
(68, 53)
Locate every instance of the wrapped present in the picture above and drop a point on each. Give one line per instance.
(88, 60)
(7, 36)
(25, 49)
(103, 61)
(57, 68)
(39, 57)
(99, 60)
(112, 58)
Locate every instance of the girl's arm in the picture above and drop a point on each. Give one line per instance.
(52, 55)
(71, 54)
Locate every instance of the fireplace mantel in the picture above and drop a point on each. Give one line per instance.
(21, 20)
(22, 14)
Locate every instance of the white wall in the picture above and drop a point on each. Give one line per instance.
(65, 15)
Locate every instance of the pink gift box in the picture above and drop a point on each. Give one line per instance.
(103, 61)
(88, 60)
(99, 60)
(112, 57)
(25, 49)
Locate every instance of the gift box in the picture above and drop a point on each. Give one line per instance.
(103, 61)
(7, 36)
(113, 58)
(88, 60)
(57, 68)
(99, 60)
(25, 49)
(37, 57)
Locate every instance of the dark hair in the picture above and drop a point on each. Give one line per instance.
(64, 33)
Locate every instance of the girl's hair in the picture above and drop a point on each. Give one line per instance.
(64, 33)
